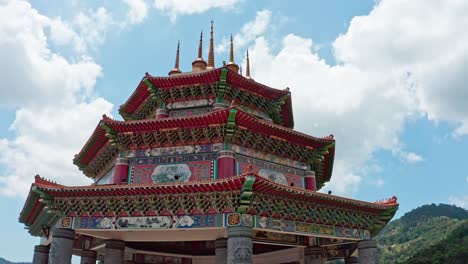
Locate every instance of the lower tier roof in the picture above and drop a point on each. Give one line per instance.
(247, 194)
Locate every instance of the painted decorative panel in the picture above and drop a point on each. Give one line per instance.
(189, 112)
(148, 222)
(175, 172)
(173, 164)
(269, 157)
(259, 223)
(171, 173)
(277, 173)
(189, 104)
(153, 222)
(176, 150)
(275, 176)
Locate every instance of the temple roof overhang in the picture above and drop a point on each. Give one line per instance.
(231, 125)
(153, 92)
(247, 194)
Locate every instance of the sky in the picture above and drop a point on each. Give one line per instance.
(387, 78)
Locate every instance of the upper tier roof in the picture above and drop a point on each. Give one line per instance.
(152, 90)
(231, 125)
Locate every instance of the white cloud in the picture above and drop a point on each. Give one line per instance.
(173, 8)
(343, 100)
(459, 201)
(53, 97)
(411, 157)
(249, 31)
(92, 25)
(408, 157)
(137, 11)
(425, 40)
(45, 141)
(402, 59)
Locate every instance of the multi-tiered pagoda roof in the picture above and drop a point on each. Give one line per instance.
(210, 148)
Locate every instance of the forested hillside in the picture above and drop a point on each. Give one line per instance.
(428, 234)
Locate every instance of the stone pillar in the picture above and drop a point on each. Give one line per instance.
(121, 171)
(367, 250)
(226, 164)
(61, 249)
(239, 245)
(352, 260)
(114, 252)
(221, 251)
(162, 113)
(41, 254)
(309, 181)
(217, 106)
(313, 255)
(88, 257)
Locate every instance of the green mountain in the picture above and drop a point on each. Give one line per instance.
(428, 234)
(4, 261)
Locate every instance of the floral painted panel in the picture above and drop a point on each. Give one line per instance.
(180, 172)
(171, 173)
(270, 171)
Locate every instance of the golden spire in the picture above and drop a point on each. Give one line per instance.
(231, 52)
(176, 66)
(200, 47)
(247, 70)
(211, 50)
(231, 65)
(199, 64)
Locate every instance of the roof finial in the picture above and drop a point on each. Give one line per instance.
(231, 52)
(176, 66)
(231, 65)
(211, 50)
(199, 64)
(200, 46)
(177, 55)
(240, 69)
(247, 70)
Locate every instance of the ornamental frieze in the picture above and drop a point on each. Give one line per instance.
(266, 228)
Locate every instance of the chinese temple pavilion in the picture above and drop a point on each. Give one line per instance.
(204, 168)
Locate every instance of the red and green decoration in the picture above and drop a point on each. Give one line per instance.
(180, 205)
(230, 125)
(221, 84)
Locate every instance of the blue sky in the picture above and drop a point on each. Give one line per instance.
(387, 78)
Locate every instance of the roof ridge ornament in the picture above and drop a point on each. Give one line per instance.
(176, 65)
(232, 65)
(211, 62)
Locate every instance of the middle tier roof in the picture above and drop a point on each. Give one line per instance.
(230, 125)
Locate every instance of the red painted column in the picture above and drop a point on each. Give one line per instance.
(162, 113)
(309, 181)
(121, 171)
(226, 164)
